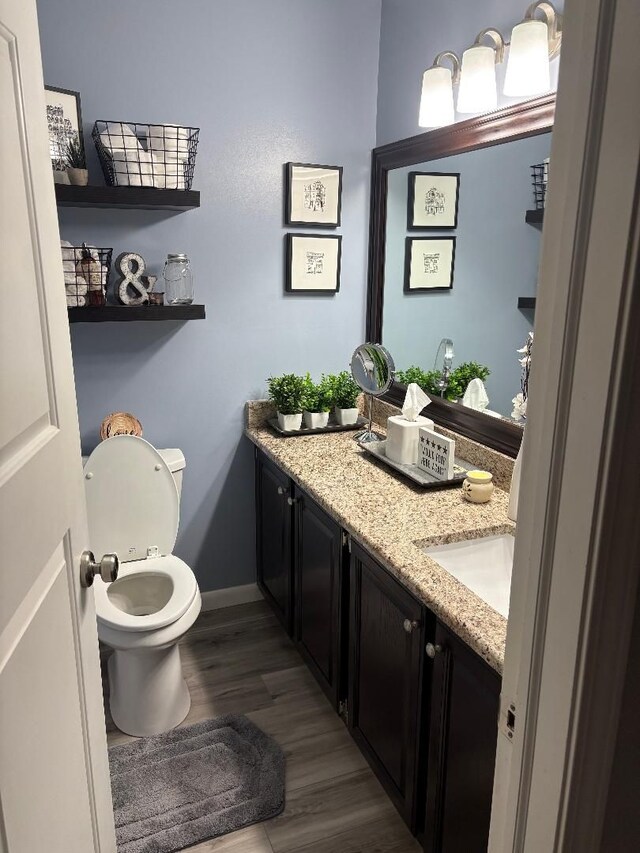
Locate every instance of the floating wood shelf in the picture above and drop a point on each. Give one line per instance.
(534, 217)
(122, 313)
(527, 302)
(142, 198)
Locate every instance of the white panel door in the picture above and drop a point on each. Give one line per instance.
(54, 779)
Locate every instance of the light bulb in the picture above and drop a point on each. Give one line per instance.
(528, 63)
(478, 92)
(436, 101)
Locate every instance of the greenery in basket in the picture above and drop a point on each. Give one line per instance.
(345, 390)
(457, 383)
(462, 376)
(287, 392)
(317, 397)
(74, 154)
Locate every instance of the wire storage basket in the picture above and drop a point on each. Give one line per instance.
(86, 274)
(539, 178)
(146, 155)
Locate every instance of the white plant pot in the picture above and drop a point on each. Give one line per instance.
(289, 423)
(78, 177)
(60, 176)
(316, 420)
(347, 417)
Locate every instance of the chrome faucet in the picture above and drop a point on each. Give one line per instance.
(444, 357)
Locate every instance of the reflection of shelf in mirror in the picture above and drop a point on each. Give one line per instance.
(527, 302)
(120, 313)
(534, 217)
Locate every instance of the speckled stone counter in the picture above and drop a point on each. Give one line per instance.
(392, 519)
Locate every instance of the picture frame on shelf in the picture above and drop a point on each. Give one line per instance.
(313, 263)
(64, 122)
(313, 195)
(429, 263)
(433, 201)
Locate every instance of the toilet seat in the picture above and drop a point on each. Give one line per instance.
(170, 569)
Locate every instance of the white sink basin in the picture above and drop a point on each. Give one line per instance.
(482, 565)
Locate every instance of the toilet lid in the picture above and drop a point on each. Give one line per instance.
(132, 500)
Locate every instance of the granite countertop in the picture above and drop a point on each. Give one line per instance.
(391, 519)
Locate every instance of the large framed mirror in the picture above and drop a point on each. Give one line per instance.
(454, 245)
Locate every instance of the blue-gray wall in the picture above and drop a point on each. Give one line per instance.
(496, 262)
(266, 82)
(413, 32)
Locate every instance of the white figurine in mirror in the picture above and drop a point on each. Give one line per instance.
(402, 430)
(520, 413)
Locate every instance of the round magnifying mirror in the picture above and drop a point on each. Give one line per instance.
(372, 368)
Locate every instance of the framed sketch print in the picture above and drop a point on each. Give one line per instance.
(432, 200)
(64, 121)
(313, 263)
(429, 263)
(313, 195)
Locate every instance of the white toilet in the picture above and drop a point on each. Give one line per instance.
(133, 502)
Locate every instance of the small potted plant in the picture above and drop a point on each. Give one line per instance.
(318, 400)
(287, 392)
(345, 398)
(76, 162)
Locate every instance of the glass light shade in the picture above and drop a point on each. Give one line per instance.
(436, 101)
(528, 63)
(478, 92)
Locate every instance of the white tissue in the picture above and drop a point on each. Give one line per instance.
(475, 396)
(414, 401)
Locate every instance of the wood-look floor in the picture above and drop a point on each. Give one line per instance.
(239, 660)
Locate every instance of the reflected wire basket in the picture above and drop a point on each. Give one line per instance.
(146, 155)
(539, 178)
(86, 274)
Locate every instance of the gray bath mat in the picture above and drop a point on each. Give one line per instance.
(194, 783)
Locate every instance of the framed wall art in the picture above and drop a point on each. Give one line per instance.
(313, 195)
(429, 263)
(64, 121)
(313, 263)
(432, 200)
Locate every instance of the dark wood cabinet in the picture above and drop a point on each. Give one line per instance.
(463, 734)
(318, 580)
(274, 515)
(387, 629)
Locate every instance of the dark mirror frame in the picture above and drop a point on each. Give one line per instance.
(529, 118)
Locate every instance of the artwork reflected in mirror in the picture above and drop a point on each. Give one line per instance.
(487, 260)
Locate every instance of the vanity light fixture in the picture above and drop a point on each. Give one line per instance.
(436, 100)
(533, 44)
(478, 92)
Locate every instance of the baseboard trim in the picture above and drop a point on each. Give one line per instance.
(216, 599)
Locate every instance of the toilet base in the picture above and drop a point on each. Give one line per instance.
(148, 695)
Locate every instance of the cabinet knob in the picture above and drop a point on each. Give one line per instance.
(281, 490)
(410, 625)
(432, 650)
(292, 501)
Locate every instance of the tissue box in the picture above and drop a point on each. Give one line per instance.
(402, 438)
(436, 454)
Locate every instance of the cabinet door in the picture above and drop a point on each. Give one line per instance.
(385, 678)
(318, 580)
(273, 538)
(462, 748)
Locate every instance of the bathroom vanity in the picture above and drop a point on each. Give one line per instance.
(408, 656)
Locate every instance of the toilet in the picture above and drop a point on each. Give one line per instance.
(133, 503)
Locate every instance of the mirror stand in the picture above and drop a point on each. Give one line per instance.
(372, 369)
(367, 435)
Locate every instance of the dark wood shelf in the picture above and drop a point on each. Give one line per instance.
(122, 313)
(527, 302)
(534, 217)
(142, 198)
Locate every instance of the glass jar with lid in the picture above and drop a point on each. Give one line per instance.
(178, 280)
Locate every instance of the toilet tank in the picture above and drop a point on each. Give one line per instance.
(175, 461)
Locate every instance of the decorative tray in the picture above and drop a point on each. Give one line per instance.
(377, 449)
(332, 426)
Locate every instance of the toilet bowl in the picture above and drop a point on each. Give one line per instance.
(133, 510)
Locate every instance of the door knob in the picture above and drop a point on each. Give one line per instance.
(409, 625)
(432, 650)
(107, 568)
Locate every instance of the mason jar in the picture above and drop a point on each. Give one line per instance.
(178, 280)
